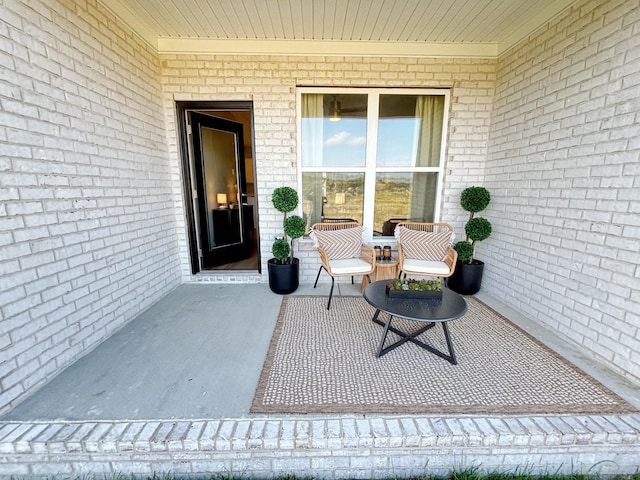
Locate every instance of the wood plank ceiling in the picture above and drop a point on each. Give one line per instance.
(500, 23)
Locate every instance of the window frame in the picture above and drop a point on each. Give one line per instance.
(370, 170)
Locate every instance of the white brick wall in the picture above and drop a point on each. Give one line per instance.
(270, 82)
(563, 167)
(87, 219)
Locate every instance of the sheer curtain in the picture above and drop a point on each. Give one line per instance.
(312, 141)
(429, 115)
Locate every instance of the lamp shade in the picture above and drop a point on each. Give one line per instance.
(221, 198)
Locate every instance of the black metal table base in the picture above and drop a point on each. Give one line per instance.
(411, 337)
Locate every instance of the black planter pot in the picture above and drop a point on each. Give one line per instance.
(466, 278)
(283, 279)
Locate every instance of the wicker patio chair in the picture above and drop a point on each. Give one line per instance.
(342, 251)
(425, 249)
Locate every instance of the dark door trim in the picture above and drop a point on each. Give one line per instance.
(181, 110)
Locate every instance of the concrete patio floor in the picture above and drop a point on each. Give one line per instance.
(171, 391)
(195, 354)
(198, 353)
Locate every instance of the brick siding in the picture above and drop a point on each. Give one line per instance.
(563, 167)
(363, 447)
(271, 81)
(87, 221)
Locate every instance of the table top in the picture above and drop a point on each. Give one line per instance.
(390, 261)
(450, 307)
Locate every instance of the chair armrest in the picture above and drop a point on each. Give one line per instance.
(324, 258)
(451, 259)
(400, 257)
(368, 254)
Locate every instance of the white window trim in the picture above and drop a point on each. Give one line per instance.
(371, 150)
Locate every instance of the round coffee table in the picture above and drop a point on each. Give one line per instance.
(430, 311)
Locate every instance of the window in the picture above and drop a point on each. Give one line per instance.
(372, 155)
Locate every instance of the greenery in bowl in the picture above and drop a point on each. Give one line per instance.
(410, 284)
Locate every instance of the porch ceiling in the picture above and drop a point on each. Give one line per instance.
(336, 27)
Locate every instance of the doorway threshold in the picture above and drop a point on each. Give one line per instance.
(226, 276)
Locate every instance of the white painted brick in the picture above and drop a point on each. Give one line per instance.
(49, 119)
(555, 79)
(589, 79)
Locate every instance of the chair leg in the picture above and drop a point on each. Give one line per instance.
(368, 278)
(351, 279)
(330, 293)
(317, 276)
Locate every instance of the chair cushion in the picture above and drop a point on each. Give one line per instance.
(342, 243)
(349, 266)
(424, 245)
(427, 267)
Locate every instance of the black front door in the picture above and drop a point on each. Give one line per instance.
(225, 220)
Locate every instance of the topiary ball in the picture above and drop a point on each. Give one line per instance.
(464, 249)
(285, 199)
(294, 226)
(280, 249)
(475, 199)
(478, 229)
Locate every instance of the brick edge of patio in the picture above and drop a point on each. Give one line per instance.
(322, 447)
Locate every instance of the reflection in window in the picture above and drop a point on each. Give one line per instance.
(334, 130)
(409, 130)
(332, 196)
(403, 196)
(372, 155)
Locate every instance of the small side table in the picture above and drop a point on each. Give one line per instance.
(385, 269)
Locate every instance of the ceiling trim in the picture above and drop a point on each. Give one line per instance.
(541, 19)
(224, 46)
(325, 48)
(124, 14)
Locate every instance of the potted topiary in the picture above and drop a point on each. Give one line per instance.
(467, 277)
(284, 267)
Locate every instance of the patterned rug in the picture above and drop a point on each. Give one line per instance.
(323, 361)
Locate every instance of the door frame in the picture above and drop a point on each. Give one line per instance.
(182, 107)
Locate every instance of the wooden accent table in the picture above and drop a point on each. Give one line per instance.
(385, 269)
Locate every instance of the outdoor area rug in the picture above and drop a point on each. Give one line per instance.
(324, 361)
